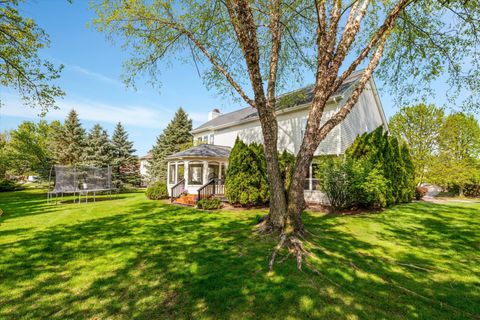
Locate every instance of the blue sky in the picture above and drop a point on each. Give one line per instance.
(91, 80)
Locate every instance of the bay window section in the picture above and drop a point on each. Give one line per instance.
(171, 174)
(195, 174)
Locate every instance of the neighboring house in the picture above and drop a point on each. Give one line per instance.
(191, 170)
(144, 167)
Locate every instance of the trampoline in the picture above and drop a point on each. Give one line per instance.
(79, 181)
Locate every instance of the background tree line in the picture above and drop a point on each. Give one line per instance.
(32, 149)
(445, 147)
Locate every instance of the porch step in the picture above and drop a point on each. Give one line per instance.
(187, 199)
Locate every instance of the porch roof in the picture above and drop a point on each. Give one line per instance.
(202, 151)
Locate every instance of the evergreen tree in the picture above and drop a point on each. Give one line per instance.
(125, 167)
(98, 150)
(382, 151)
(246, 181)
(70, 141)
(176, 137)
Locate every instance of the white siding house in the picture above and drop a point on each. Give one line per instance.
(223, 129)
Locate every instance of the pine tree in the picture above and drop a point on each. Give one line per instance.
(125, 167)
(174, 138)
(70, 141)
(98, 150)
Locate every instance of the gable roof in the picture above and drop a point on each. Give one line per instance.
(291, 99)
(203, 151)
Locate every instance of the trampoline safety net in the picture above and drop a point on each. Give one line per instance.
(81, 179)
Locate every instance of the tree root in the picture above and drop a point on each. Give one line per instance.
(294, 246)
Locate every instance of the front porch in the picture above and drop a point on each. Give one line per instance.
(197, 173)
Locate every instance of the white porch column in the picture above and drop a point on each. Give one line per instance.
(168, 172)
(176, 173)
(205, 172)
(220, 170)
(185, 173)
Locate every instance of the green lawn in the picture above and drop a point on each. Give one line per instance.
(130, 258)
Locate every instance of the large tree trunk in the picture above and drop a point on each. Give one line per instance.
(278, 204)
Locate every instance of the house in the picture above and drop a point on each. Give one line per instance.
(200, 170)
(144, 167)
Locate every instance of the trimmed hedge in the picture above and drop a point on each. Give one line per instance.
(157, 191)
(209, 204)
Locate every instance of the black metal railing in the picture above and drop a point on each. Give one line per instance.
(177, 190)
(212, 187)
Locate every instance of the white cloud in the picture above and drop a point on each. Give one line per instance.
(132, 115)
(94, 75)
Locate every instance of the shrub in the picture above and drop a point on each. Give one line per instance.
(209, 204)
(420, 192)
(370, 186)
(393, 161)
(246, 179)
(9, 185)
(472, 190)
(157, 191)
(336, 176)
(347, 183)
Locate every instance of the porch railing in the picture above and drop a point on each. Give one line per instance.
(177, 190)
(211, 188)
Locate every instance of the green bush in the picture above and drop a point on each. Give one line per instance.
(347, 183)
(376, 172)
(209, 204)
(336, 177)
(246, 181)
(393, 161)
(9, 185)
(157, 191)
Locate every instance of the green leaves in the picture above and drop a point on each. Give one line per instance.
(21, 68)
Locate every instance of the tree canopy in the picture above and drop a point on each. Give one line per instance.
(419, 126)
(174, 138)
(124, 161)
(70, 141)
(98, 150)
(21, 67)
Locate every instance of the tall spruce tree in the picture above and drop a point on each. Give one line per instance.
(174, 138)
(125, 163)
(70, 141)
(98, 150)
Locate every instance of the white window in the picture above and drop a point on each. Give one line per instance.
(195, 174)
(205, 139)
(211, 139)
(172, 174)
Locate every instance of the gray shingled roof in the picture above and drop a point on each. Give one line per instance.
(304, 96)
(203, 151)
